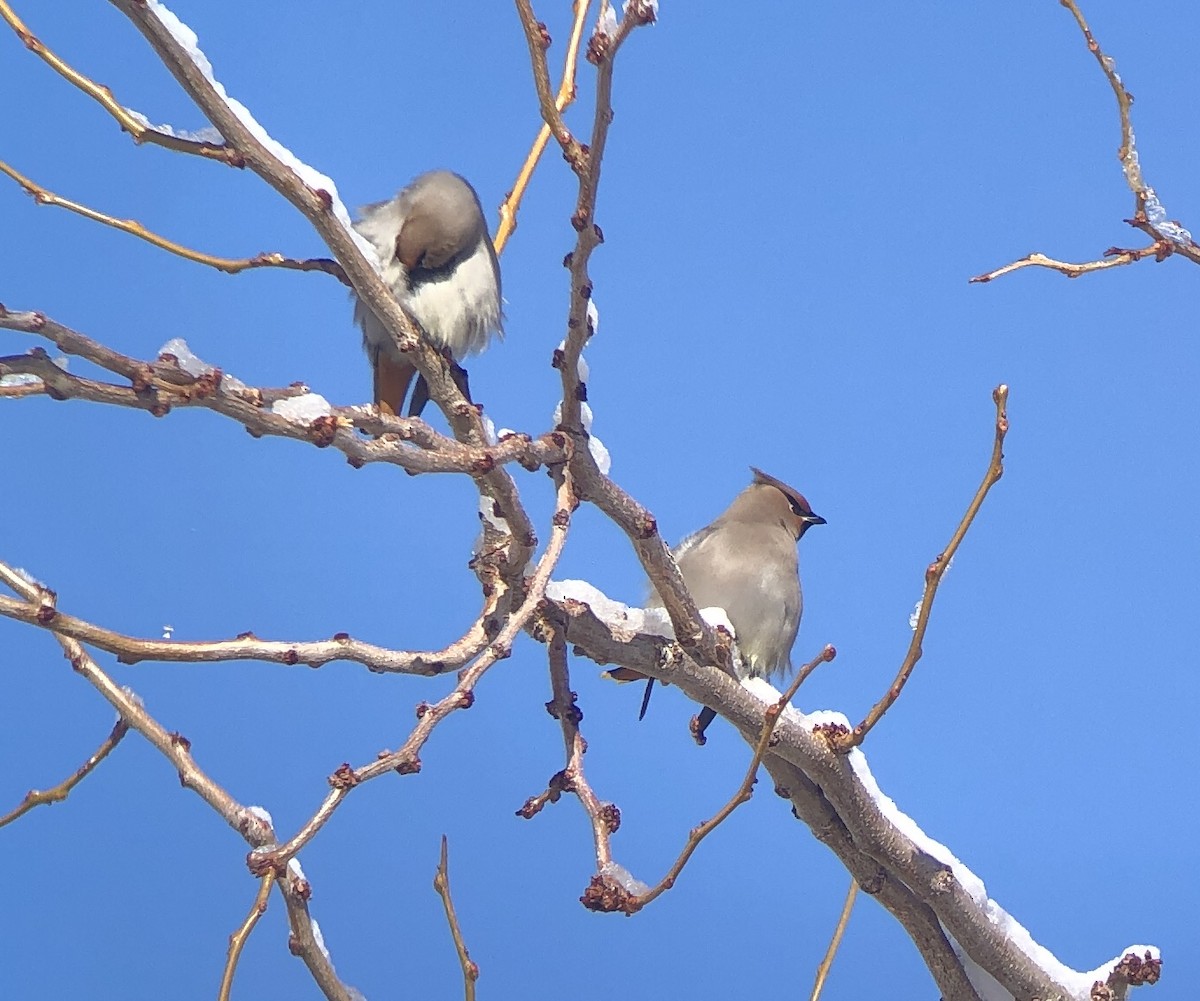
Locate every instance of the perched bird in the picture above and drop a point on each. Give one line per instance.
(439, 262)
(746, 563)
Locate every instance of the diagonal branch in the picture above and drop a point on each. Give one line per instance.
(406, 760)
(237, 940)
(441, 884)
(933, 577)
(37, 797)
(839, 930)
(566, 95)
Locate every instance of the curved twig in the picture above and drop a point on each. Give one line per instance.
(229, 265)
(237, 940)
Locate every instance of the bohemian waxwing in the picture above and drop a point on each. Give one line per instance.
(440, 264)
(746, 563)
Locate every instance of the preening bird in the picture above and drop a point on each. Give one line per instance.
(746, 563)
(439, 262)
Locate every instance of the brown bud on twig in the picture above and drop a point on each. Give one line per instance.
(605, 895)
(322, 431)
(344, 777)
(610, 813)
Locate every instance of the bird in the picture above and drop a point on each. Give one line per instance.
(746, 562)
(439, 262)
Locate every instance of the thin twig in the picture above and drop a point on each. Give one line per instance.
(601, 896)
(933, 577)
(1119, 257)
(229, 265)
(441, 883)
(605, 818)
(835, 942)
(238, 939)
(566, 95)
(37, 797)
(138, 130)
(406, 760)
(176, 748)
(538, 40)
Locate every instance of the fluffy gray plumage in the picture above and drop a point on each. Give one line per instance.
(439, 262)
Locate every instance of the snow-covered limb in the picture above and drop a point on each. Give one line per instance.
(317, 181)
(920, 869)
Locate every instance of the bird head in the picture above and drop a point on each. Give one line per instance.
(788, 504)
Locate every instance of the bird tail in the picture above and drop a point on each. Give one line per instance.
(624, 675)
(391, 383)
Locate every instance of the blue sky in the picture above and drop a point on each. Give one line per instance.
(792, 202)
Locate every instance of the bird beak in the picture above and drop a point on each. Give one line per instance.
(814, 519)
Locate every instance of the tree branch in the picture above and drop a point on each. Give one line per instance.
(58, 793)
(566, 95)
(229, 265)
(237, 940)
(933, 577)
(1149, 216)
(441, 884)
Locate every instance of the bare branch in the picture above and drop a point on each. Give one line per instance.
(177, 749)
(441, 883)
(1159, 249)
(933, 577)
(159, 387)
(58, 793)
(406, 760)
(537, 37)
(237, 940)
(230, 265)
(566, 95)
(637, 522)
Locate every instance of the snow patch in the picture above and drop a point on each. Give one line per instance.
(190, 43)
(624, 878)
(302, 409)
